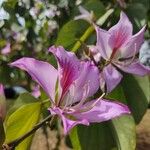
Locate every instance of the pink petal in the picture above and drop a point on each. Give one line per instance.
(102, 42)
(6, 50)
(95, 52)
(36, 91)
(103, 110)
(42, 72)
(2, 103)
(1, 89)
(87, 84)
(133, 45)
(121, 32)
(85, 15)
(68, 65)
(135, 67)
(111, 76)
(68, 124)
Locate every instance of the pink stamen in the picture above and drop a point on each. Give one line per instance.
(90, 107)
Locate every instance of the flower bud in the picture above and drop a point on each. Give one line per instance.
(2, 103)
(85, 15)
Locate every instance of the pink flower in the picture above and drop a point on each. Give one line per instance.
(36, 91)
(119, 48)
(6, 50)
(85, 15)
(2, 103)
(69, 86)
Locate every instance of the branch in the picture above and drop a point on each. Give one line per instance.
(13, 144)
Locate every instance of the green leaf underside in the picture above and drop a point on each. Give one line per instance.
(71, 32)
(25, 98)
(123, 129)
(20, 122)
(136, 90)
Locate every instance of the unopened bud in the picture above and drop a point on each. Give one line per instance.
(2, 103)
(85, 15)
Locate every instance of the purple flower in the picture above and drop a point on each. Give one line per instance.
(69, 87)
(2, 103)
(119, 48)
(6, 50)
(36, 91)
(85, 15)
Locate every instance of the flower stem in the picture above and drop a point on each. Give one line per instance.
(87, 33)
(90, 30)
(46, 101)
(13, 144)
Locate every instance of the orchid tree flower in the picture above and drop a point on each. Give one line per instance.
(119, 48)
(6, 50)
(69, 88)
(2, 103)
(36, 91)
(85, 15)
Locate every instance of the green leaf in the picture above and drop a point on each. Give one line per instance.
(24, 98)
(5, 73)
(10, 3)
(70, 32)
(137, 8)
(74, 139)
(96, 6)
(137, 13)
(123, 129)
(136, 90)
(22, 121)
(95, 136)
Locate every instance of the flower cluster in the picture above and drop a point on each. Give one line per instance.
(71, 87)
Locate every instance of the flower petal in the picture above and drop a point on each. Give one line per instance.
(68, 124)
(6, 50)
(2, 103)
(103, 110)
(85, 15)
(68, 66)
(136, 68)
(42, 72)
(95, 52)
(87, 84)
(111, 76)
(120, 32)
(36, 91)
(1, 89)
(102, 42)
(132, 46)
